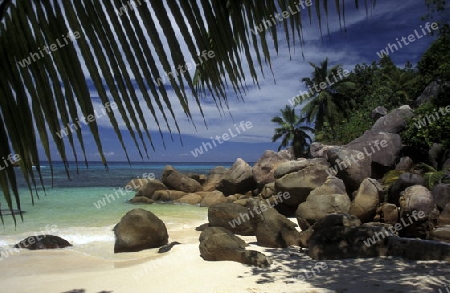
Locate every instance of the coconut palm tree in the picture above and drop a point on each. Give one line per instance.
(293, 132)
(53, 50)
(325, 104)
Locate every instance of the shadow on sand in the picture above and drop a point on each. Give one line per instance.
(385, 274)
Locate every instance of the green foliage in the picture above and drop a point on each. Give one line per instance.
(431, 175)
(292, 131)
(329, 105)
(435, 62)
(378, 84)
(428, 126)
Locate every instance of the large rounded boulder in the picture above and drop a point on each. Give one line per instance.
(150, 187)
(238, 179)
(219, 244)
(418, 212)
(367, 199)
(328, 199)
(299, 178)
(139, 229)
(214, 177)
(178, 181)
(231, 216)
(404, 181)
(264, 169)
(395, 121)
(351, 166)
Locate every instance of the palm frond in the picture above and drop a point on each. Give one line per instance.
(121, 47)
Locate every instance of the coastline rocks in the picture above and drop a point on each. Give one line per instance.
(136, 184)
(219, 244)
(327, 199)
(167, 247)
(263, 170)
(388, 213)
(337, 242)
(417, 200)
(364, 205)
(319, 150)
(190, 198)
(441, 195)
(378, 112)
(213, 178)
(43, 242)
(352, 172)
(167, 195)
(331, 220)
(238, 179)
(405, 164)
(299, 178)
(444, 217)
(178, 181)
(149, 188)
(139, 229)
(141, 200)
(395, 121)
(231, 216)
(212, 198)
(371, 143)
(404, 181)
(271, 228)
(441, 234)
(418, 249)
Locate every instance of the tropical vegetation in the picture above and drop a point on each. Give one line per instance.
(293, 131)
(121, 43)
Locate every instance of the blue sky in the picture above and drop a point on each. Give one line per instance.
(365, 36)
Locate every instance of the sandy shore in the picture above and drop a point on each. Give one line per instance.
(183, 270)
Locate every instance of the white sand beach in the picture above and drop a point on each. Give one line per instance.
(183, 270)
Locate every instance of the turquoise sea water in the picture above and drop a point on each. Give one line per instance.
(69, 206)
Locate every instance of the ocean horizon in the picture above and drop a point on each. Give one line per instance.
(70, 204)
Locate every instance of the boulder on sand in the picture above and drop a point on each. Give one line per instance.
(233, 217)
(139, 229)
(43, 242)
(271, 228)
(219, 244)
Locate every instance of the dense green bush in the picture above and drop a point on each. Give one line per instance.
(428, 126)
